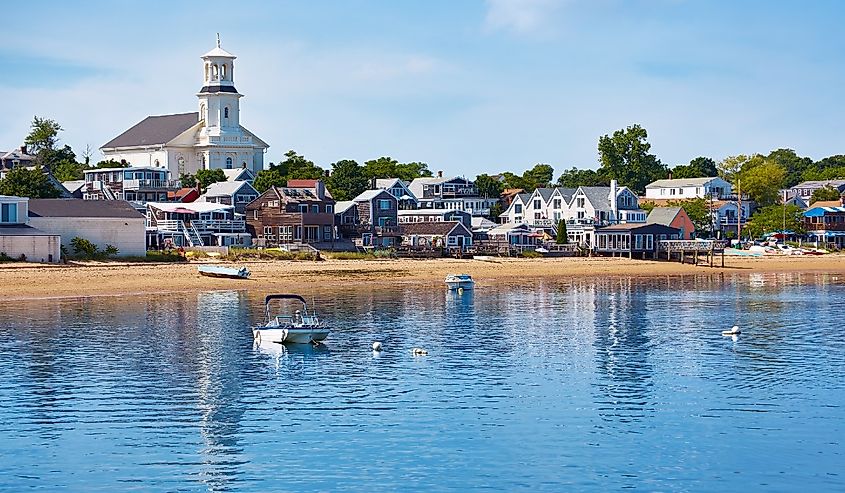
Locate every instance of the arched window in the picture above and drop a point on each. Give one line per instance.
(214, 71)
(156, 163)
(206, 71)
(228, 163)
(226, 112)
(203, 116)
(223, 71)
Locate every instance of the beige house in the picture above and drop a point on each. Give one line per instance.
(20, 241)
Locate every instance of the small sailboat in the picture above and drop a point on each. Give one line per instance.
(459, 281)
(301, 327)
(227, 272)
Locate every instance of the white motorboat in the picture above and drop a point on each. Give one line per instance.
(301, 327)
(459, 281)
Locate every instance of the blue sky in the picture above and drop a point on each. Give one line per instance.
(466, 86)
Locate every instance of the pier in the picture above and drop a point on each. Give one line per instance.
(692, 250)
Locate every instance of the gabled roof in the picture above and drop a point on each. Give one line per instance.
(566, 193)
(504, 229)
(73, 185)
(682, 182)
(228, 188)
(821, 183)
(236, 174)
(482, 223)
(370, 195)
(154, 130)
(820, 211)
(663, 215)
(82, 208)
(343, 206)
(16, 154)
(195, 207)
(438, 228)
(545, 193)
(827, 203)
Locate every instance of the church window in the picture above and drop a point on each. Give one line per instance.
(156, 163)
(223, 73)
(228, 163)
(226, 112)
(214, 71)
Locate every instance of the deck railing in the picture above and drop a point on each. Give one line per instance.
(691, 245)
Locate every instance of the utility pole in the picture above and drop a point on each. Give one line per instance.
(739, 209)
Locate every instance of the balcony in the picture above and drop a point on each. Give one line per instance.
(151, 185)
(213, 225)
(732, 221)
(391, 229)
(543, 223)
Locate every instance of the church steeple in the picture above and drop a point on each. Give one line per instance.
(218, 98)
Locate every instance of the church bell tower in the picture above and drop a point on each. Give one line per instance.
(219, 103)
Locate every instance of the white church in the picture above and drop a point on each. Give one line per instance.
(186, 142)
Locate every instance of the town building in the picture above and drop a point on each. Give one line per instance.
(139, 184)
(805, 189)
(195, 224)
(825, 225)
(19, 240)
(301, 212)
(632, 240)
(399, 189)
(210, 138)
(450, 193)
(449, 235)
(16, 158)
(675, 217)
(434, 215)
(106, 223)
(370, 219)
(689, 188)
(235, 193)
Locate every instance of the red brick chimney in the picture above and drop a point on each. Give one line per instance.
(23, 149)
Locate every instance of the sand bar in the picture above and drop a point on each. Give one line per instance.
(36, 281)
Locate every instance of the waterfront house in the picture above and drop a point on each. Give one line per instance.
(195, 224)
(516, 211)
(632, 240)
(689, 188)
(675, 217)
(825, 225)
(16, 158)
(451, 235)
(135, 184)
(805, 189)
(239, 174)
(399, 189)
(235, 193)
(301, 212)
(107, 222)
(456, 193)
(434, 215)
(370, 219)
(19, 240)
(513, 235)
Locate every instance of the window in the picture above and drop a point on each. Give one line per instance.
(228, 163)
(329, 209)
(226, 112)
(327, 232)
(303, 208)
(8, 213)
(285, 233)
(517, 208)
(556, 204)
(649, 242)
(315, 208)
(384, 205)
(255, 214)
(671, 191)
(537, 204)
(638, 242)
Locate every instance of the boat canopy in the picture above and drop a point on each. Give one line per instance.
(271, 297)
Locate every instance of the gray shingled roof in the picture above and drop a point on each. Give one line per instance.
(441, 228)
(82, 208)
(545, 193)
(663, 215)
(598, 196)
(525, 197)
(154, 130)
(567, 193)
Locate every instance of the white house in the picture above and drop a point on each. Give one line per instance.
(186, 142)
(450, 193)
(19, 240)
(106, 222)
(688, 188)
(516, 211)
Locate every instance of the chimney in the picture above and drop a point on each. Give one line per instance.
(440, 174)
(613, 204)
(23, 149)
(326, 173)
(670, 174)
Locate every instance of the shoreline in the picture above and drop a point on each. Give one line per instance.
(113, 278)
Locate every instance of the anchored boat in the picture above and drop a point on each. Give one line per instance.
(228, 272)
(300, 327)
(459, 281)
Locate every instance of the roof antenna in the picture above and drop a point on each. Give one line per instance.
(218, 40)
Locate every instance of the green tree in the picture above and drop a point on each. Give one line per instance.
(731, 166)
(540, 176)
(69, 170)
(32, 183)
(514, 181)
(829, 168)
(647, 206)
(697, 168)
(762, 180)
(347, 180)
(775, 218)
(574, 178)
(268, 178)
(794, 165)
(296, 167)
(411, 171)
(488, 186)
(698, 210)
(387, 167)
(111, 163)
(43, 135)
(827, 192)
(188, 181)
(206, 177)
(562, 235)
(625, 156)
(496, 210)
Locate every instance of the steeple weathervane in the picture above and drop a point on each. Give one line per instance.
(218, 40)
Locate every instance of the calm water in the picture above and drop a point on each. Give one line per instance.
(577, 385)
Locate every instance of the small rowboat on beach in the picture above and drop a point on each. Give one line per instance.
(227, 272)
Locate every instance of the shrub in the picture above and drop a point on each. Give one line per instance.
(87, 250)
(5, 258)
(111, 251)
(530, 254)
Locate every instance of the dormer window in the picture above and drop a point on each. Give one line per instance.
(9, 213)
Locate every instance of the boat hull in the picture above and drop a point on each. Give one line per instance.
(225, 272)
(460, 284)
(290, 335)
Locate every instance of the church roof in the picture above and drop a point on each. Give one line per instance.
(154, 130)
(218, 51)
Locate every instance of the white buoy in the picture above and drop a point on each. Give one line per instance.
(377, 346)
(734, 331)
(418, 351)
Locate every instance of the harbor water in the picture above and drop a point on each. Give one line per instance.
(569, 385)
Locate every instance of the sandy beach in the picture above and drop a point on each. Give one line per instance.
(34, 281)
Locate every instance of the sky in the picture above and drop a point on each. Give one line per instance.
(467, 86)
